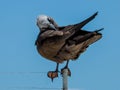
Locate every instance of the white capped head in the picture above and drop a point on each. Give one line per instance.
(44, 22)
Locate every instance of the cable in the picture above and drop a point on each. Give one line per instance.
(33, 88)
(23, 72)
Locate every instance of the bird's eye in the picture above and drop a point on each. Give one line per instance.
(49, 20)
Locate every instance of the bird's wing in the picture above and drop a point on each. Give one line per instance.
(85, 41)
(47, 34)
(77, 44)
(53, 35)
(65, 32)
(83, 35)
(78, 26)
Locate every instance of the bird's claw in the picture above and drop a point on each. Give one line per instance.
(52, 74)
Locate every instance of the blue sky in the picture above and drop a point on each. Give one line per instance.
(22, 68)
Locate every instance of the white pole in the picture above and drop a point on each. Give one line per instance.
(65, 79)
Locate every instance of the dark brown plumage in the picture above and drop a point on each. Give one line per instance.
(65, 43)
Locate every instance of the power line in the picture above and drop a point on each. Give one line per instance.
(32, 88)
(35, 88)
(23, 72)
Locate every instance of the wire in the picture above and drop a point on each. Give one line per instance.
(23, 72)
(33, 88)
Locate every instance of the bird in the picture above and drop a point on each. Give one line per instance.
(63, 43)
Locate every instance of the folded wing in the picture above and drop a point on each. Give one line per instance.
(77, 44)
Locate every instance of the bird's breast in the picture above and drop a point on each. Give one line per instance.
(49, 48)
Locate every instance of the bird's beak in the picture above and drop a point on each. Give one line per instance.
(52, 26)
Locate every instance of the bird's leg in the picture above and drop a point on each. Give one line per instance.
(53, 74)
(66, 67)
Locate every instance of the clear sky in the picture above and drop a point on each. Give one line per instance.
(22, 68)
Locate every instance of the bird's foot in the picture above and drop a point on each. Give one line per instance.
(69, 72)
(52, 74)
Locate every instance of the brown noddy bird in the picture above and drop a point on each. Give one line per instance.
(63, 43)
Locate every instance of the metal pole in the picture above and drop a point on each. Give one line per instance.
(65, 79)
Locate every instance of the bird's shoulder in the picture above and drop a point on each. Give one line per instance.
(51, 33)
